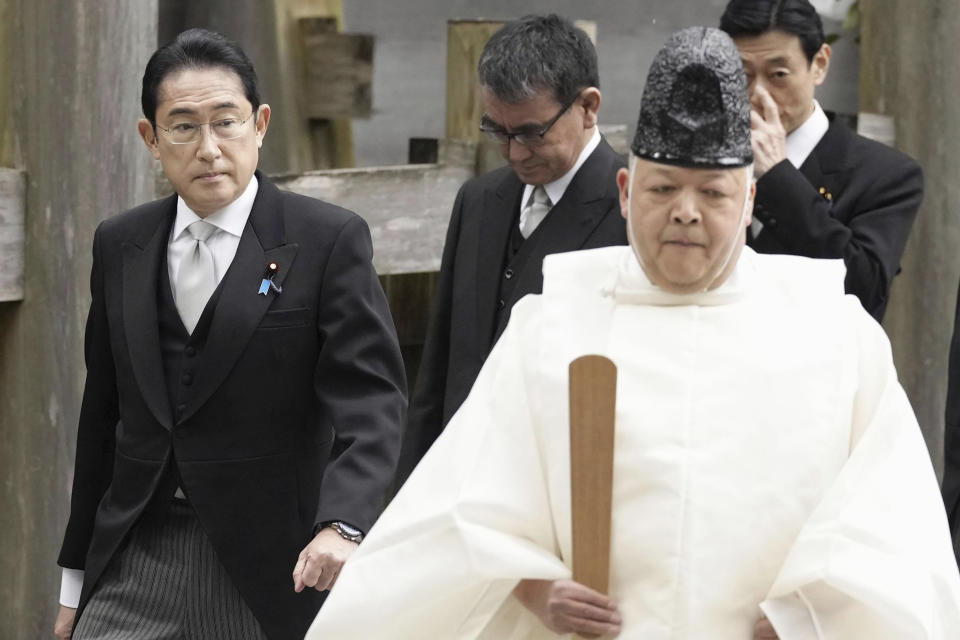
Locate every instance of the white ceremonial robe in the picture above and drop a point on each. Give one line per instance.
(766, 459)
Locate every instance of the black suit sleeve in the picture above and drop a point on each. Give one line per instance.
(870, 239)
(951, 445)
(359, 380)
(96, 433)
(425, 421)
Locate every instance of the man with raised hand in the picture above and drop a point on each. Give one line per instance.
(822, 190)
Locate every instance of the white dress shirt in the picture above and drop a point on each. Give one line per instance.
(223, 245)
(803, 140)
(557, 188)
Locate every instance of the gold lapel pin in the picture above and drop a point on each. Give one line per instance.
(826, 194)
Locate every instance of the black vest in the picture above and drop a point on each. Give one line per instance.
(515, 260)
(180, 351)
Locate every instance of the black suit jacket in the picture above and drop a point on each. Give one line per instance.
(283, 380)
(463, 322)
(951, 439)
(853, 198)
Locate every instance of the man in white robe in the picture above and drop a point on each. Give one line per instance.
(763, 487)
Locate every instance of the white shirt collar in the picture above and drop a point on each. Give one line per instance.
(558, 187)
(232, 218)
(806, 137)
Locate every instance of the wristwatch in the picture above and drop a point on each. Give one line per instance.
(346, 531)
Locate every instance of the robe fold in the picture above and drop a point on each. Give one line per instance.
(766, 459)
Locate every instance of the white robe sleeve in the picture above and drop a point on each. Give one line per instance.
(473, 518)
(874, 559)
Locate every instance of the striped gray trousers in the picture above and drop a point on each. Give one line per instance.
(166, 583)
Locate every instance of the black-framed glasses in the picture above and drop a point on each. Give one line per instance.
(221, 129)
(525, 138)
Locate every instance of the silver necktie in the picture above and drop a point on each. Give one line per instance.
(536, 212)
(196, 278)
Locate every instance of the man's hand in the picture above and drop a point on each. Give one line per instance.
(763, 630)
(63, 627)
(565, 606)
(321, 560)
(768, 137)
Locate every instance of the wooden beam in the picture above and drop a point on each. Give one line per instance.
(12, 209)
(407, 206)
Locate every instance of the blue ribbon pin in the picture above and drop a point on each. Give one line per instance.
(267, 283)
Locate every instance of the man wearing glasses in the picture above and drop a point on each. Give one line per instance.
(541, 96)
(237, 335)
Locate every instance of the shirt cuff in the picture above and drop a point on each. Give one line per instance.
(70, 585)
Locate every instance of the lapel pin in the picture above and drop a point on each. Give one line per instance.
(267, 283)
(826, 194)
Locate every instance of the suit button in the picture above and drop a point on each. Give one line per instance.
(508, 274)
(771, 222)
(181, 408)
(190, 351)
(187, 379)
(501, 304)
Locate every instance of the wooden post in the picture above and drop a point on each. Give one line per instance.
(338, 70)
(909, 50)
(70, 122)
(12, 208)
(465, 42)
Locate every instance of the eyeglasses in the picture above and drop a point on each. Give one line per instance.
(525, 138)
(221, 129)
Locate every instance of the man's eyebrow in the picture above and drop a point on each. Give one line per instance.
(781, 61)
(179, 111)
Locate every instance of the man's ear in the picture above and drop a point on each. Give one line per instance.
(263, 121)
(623, 182)
(149, 135)
(821, 64)
(590, 99)
(753, 195)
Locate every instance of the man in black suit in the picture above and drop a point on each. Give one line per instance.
(822, 190)
(244, 394)
(541, 95)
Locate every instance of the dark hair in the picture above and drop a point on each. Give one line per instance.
(196, 49)
(536, 53)
(756, 17)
